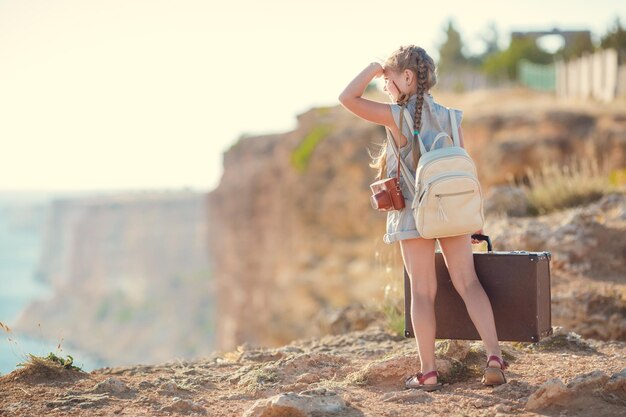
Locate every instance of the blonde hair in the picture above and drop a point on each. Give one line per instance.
(416, 60)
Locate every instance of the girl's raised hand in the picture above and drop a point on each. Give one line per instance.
(377, 68)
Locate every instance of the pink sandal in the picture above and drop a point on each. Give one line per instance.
(493, 375)
(410, 381)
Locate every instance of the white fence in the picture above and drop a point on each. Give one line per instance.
(598, 76)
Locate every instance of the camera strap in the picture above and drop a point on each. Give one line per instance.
(401, 165)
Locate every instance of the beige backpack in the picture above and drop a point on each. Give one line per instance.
(447, 200)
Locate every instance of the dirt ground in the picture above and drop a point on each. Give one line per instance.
(364, 369)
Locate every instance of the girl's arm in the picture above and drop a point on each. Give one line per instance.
(373, 111)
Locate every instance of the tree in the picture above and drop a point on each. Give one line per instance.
(615, 37)
(504, 64)
(450, 52)
(491, 41)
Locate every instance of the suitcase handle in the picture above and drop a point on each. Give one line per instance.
(486, 239)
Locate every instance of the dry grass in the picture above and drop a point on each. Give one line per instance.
(37, 369)
(50, 361)
(389, 270)
(556, 187)
(393, 307)
(49, 369)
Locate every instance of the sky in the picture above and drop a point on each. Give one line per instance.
(138, 94)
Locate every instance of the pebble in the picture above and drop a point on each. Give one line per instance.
(110, 385)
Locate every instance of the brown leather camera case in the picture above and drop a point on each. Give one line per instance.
(387, 195)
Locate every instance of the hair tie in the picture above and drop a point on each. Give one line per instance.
(416, 132)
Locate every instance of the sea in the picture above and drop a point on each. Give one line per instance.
(22, 221)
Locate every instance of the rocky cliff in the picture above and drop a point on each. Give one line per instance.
(130, 276)
(296, 241)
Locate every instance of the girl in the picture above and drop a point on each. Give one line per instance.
(409, 75)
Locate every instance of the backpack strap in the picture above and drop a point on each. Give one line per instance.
(440, 136)
(405, 116)
(455, 129)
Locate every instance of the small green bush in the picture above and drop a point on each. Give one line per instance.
(51, 363)
(51, 360)
(302, 154)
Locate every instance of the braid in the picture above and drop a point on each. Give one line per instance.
(422, 88)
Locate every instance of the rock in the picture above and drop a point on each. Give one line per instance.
(580, 388)
(563, 340)
(587, 382)
(617, 384)
(183, 407)
(297, 387)
(111, 385)
(444, 366)
(513, 390)
(171, 388)
(262, 356)
(308, 378)
(409, 396)
(594, 313)
(143, 385)
(456, 349)
(86, 400)
(289, 370)
(345, 319)
(550, 393)
(393, 371)
(318, 391)
(506, 200)
(297, 405)
(291, 349)
(354, 398)
(482, 403)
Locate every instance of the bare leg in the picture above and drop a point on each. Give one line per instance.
(457, 251)
(419, 261)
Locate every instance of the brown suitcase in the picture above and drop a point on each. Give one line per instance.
(517, 284)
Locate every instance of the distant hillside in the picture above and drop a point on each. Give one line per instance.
(130, 274)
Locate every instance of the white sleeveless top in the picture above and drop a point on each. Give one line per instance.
(435, 119)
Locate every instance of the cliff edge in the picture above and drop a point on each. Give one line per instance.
(359, 373)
